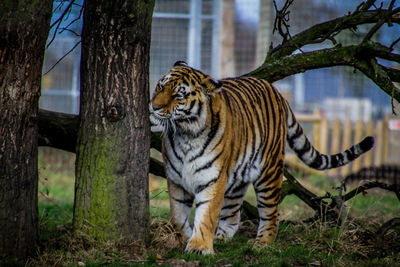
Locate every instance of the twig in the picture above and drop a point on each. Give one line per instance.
(71, 31)
(66, 54)
(63, 14)
(282, 18)
(394, 43)
(58, 22)
(392, 104)
(373, 30)
(387, 18)
(74, 20)
(364, 6)
(59, 6)
(364, 187)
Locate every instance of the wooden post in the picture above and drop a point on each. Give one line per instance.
(369, 131)
(317, 133)
(379, 140)
(357, 139)
(346, 144)
(324, 136)
(227, 67)
(385, 141)
(335, 144)
(264, 30)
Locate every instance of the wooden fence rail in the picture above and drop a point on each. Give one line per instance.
(331, 137)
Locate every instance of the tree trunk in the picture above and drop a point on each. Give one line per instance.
(24, 27)
(111, 190)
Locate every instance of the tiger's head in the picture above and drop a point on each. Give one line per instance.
(180, 99)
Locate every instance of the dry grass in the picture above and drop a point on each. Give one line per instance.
(164, 236)
(297, 244)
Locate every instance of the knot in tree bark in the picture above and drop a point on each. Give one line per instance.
(114, 113)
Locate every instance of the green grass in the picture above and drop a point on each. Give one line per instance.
(297, 244)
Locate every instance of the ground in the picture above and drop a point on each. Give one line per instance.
(298, 243)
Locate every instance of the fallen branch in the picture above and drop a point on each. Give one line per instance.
(59, 130)
(393, 188)
(384, 228)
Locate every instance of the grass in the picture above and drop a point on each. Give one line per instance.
(297, 244)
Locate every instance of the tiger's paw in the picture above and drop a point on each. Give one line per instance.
(199, 247)
(226, 232)
(221, 235)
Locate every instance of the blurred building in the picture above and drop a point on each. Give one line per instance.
(227, 38)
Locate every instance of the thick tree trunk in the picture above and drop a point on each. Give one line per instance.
(24, 27)
(111, 191)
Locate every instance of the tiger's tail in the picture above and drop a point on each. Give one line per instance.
(299, 143)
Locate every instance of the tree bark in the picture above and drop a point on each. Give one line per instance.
(24, 27)
(58, 130)
(111, 190)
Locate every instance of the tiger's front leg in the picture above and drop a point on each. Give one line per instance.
(181, 203)
(208, 206)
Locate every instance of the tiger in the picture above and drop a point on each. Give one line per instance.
(220, 136)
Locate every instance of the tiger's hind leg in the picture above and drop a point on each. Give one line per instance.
(268, 189)
(229, 217)
(181, 203)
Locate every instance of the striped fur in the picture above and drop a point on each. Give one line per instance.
(220, 137)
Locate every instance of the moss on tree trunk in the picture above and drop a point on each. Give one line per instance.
(111, 192)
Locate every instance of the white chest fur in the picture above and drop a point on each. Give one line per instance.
(189, 163)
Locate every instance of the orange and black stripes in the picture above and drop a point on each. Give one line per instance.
(220, 137)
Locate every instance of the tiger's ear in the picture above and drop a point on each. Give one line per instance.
(180, 63)
(210, 85)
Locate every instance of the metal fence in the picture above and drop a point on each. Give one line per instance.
(184, 30)
(222, 38)
(199, 32)
(61, 86)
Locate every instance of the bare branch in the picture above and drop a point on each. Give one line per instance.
(394, 74)
(375, 49)
(58, 130)
(157, 167)
(282, 19)
(361, 57)
(64, 56)
(364, 6)
(59, 6)
(364, 187)
(394, 43)
(327, 30)
(381, 21)
(59, 21)
(63, 14)
(74, 20)
(373, 30)
(71, 31)
(379, 76)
